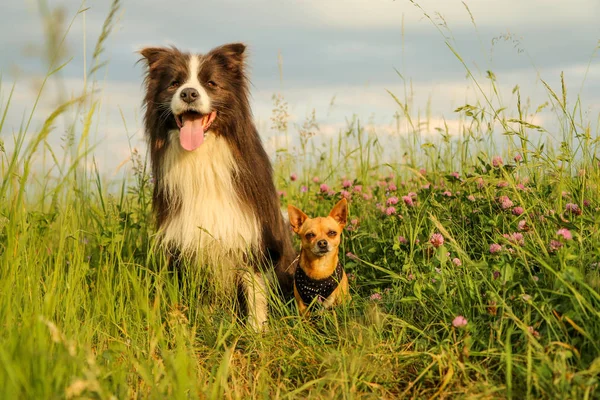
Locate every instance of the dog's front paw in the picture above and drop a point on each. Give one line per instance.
(258, 325)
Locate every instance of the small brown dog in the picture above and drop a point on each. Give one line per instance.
(320, 274)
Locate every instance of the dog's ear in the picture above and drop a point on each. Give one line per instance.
(153, 55)
(297, 217)
(232, 56)
(339, 212)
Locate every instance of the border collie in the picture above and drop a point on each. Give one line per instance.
(214, 197)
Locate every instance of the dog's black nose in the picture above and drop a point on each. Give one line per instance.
(189, 95)
(322, 244)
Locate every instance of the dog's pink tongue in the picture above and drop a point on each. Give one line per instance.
(191, 134)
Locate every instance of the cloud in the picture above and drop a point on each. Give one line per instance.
(339, 58)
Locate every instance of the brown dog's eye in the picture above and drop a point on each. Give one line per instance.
(174, 84)
(211, 84)
(309, 236)
(331, 233)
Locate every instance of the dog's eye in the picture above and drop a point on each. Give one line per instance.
(174, 84)
(331, 233)
(309, 236)
(211, 84)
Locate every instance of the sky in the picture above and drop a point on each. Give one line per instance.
(340, 58)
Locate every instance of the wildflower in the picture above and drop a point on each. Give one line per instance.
(455, 175)
(573, 209)
(408, 201)
(382, 184)
(447, 193)
(367, 196)
(456, 261)
(324, 187)
(565, 194)
(555, 245)
(586, 203)
(520, 186)
(471, 197)
(515, 238)
(392, 201)
(436, 240)
(410, 277)
(535, 278)
(316, 179)
(402, 240)
(281, 193)
(518, 211)
(535, 333)
(495, 248)
(303, 189)
(376, 296)
(354, 221)
(358, 188)
(390, 210)
(480, 183)
(351, 256)
(331, 193)
(496, 275)
(497, 161)
(565, 233)
(518, 158)
(502, 184)
(525, 297)
(293, 177)
(518, 238)
(345, 194)
(505, 202)
(392, 187)
(423, 171)
(346, 183)
(459, 321)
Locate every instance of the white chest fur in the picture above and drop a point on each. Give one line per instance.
(212, 218)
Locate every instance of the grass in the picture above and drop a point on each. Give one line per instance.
(475, 269)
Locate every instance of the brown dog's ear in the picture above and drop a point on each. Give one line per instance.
(339, 212)
(232, 56)
(297, 217)
(154, 54)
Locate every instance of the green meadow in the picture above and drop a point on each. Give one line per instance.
(473, 255)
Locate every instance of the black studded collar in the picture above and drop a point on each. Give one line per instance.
(309, 288)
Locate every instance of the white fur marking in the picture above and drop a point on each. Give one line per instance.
(256, 296)
(202, 104)
(212, 218)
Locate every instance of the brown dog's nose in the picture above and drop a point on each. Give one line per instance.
(322, 244)
(189, 95)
